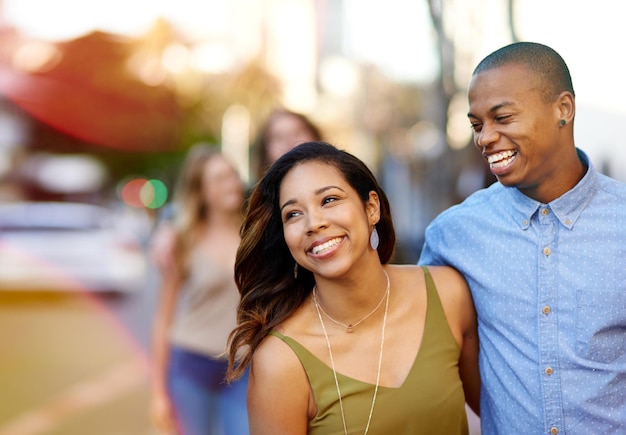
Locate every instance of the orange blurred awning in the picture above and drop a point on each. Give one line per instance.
(88, 93)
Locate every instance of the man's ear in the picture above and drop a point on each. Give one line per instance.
(566, 106)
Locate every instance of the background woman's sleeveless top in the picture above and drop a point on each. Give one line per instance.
(430, 401)
(208, 307)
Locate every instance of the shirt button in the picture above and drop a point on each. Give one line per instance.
(548, 371)
(554, 430)
(545, 310)
(547, 252)
(545, 212)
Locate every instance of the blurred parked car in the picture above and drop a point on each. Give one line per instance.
(60, 246)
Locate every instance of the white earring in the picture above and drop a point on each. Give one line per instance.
(374, 240)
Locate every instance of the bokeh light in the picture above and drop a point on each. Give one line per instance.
(144, 193)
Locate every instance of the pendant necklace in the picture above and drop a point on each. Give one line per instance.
(350, 326)
(380, 357)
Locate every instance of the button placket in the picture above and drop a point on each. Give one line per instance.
(548, 226)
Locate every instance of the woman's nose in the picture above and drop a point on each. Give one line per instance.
(316, 221)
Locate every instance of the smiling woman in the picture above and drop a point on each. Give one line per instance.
(341, 340)
(307, 209)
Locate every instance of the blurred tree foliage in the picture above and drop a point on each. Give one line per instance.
(114, 98)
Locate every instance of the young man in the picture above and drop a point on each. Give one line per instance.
(544, 253)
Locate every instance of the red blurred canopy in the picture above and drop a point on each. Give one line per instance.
(90, 94)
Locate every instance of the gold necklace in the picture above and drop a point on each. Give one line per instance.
(332, 362)
(350, 326)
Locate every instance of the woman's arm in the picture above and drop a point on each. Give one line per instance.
(279, 394)
(459, 307)
(162, 409)
(468, 362)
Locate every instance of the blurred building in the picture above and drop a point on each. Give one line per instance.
(137, 84)
(366, 73)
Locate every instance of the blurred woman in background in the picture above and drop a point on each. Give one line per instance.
(283, 130)
(198, 302)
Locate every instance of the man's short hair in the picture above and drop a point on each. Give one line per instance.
(545, 63)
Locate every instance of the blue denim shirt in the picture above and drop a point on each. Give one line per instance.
(549, 284)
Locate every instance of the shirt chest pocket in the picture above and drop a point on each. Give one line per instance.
(601, 325)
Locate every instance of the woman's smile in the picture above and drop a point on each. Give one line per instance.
(326, 247)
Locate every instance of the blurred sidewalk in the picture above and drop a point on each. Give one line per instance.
(68, 368)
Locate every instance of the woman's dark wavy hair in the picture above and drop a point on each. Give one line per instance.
(264, 266)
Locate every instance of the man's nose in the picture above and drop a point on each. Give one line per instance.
(485, 137)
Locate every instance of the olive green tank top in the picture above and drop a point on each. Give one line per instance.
(430, 401)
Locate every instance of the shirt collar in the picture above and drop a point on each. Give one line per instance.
(568, 207)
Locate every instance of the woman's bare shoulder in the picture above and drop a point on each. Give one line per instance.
(274, 357)
(276, 373)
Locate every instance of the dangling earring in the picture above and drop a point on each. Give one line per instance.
(295, 271)
(374, 240)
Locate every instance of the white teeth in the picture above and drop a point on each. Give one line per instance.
(327, 245)
(500, 159)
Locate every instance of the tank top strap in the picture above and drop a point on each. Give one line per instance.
(436, 325)
(308, 360)
(319, 374)
(431, 290)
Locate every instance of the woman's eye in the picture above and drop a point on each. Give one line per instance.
(502, 118)
(290, 215)
(329, 199)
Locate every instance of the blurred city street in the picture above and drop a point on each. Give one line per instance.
(75, 363)
(101, 101)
